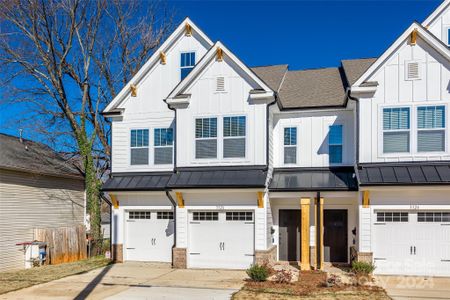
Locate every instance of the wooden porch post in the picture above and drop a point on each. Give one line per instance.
(305, 260)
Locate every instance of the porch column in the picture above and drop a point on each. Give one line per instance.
(305, 259)
(319, 233)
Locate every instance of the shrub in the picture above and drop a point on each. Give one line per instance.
(258, 272)
(362, 268)
(283, 276)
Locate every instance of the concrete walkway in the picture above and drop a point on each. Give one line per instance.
(138, 281)
(415, 287)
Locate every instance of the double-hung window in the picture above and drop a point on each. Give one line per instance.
(206, 138)
(396, 127)
(187, 63)
(430, 128)
(139, 147)
(234, 137)
(290, 145)
(335, 144)
(163, 146)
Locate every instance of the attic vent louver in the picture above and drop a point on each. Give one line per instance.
(220, 84)
(412, 70)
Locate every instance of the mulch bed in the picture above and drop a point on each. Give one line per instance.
(309, 283)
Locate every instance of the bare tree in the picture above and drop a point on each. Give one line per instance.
(66, 59)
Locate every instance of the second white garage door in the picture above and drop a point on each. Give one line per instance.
(149, 235)
(221, 239)
(412, 243)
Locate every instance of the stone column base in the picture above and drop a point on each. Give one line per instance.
(312, 256)
(179, 258)
(364, 257)
(117, 253)
(268, 256)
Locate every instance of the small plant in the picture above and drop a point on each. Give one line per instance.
(362, 268)
(283, 276)
(258, 272)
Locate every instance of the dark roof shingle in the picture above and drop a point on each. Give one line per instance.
(33, 157)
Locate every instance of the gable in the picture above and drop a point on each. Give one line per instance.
(439, 22)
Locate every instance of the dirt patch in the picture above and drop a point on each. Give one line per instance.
(11, 281)
(311, 285)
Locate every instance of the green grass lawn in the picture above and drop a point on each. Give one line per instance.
(11, 281)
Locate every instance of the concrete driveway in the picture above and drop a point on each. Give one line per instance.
(415, 287)
(138, 281)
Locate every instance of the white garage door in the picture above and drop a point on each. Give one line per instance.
(222, 239)
(412, 243)
(149, 235)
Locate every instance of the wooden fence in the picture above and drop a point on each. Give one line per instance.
(65, 244)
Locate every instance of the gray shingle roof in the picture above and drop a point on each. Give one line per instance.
(354, 68)
(413, 173)
(314, 179)
(271, 75)
(312, 88)
(33, 157)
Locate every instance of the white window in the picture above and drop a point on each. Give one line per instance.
(206, 138)
(139, 147)
(396, 127)
(133, 215)
(335, 144)
(430, 128)
(205, 216)
(163, 143)
(187, 63)
(412, 69)
(220, 84)
(290, 145)
(392, 216)
(239, 216)
(234, 137)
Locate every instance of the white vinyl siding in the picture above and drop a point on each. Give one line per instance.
(163, 143)
(206, 138)
(335, 144)
(139, 147)
(396, 130)
(234, 131)
(430, 128)
(290, 145)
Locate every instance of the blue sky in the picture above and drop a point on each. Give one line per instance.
(303, 34)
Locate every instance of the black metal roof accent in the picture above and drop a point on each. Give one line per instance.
(218, 178)
(314, 179)
(136, 182)
(406, 173)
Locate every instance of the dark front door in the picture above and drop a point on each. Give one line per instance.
(289, 234)
(335, 235)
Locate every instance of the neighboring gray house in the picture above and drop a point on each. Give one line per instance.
(38, 189)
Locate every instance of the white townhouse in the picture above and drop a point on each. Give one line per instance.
(218, 165)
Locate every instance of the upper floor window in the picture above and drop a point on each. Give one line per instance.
(139, 147)
(234, 137)
(335, 144)
(206, 138)
(290, 145)
(163, 146)
(187, 63)
(448, 36)
(396, 125)
(430, 128)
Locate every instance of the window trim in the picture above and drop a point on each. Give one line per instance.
(155, 147)
(332, 144)
(179, 65)
(290, 146)
(223, 137)
(142, 147)
(417, 129)
(218, 128)
(382, 130)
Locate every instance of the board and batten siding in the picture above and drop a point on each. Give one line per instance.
(394, 90)
(439, 27)
(148, 110)
(29, 201)
(312, 137)
(207, 102)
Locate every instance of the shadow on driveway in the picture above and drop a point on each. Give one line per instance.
(91, 285)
